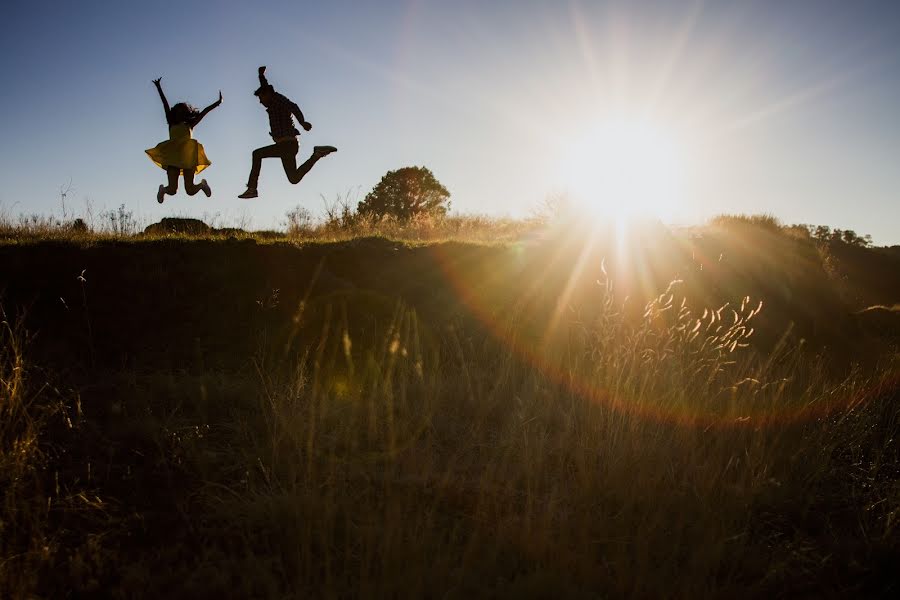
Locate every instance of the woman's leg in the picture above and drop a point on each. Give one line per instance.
(189, 186)
(172, 173)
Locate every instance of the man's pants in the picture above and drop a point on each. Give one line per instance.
(287, 152)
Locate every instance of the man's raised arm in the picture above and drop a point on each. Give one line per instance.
(263, 82)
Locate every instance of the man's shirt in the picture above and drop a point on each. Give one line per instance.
(281, 120)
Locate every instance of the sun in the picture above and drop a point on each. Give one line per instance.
(624, 169)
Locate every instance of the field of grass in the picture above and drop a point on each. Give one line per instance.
(674, 414)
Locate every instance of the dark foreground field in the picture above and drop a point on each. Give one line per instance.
(227, 418)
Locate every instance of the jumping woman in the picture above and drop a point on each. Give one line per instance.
(181, 153)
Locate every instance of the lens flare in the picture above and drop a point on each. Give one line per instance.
(474, 292)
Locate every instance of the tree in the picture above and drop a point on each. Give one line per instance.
(406, 193)
(851, 238)
(837, 235)
(823, 232)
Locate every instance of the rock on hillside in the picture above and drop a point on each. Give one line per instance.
(880, 321)
(178, 225)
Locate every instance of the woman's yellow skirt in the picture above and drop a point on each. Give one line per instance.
(185, 153)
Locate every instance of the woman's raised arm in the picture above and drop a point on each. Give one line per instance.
(162, 97)
(207, 110)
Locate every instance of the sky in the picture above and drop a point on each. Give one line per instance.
(784, 107)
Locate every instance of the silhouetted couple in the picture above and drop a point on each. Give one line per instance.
(183, 155)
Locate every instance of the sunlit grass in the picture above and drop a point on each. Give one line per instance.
(664, 465)
(469, 228)
(667, 460)
(559, 437)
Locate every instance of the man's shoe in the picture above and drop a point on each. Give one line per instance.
(160, 194)
(250, 193)
(205, 187)
(324, 150)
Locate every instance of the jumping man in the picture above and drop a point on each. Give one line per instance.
(281, 112)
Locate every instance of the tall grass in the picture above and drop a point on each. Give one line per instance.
(23, 507)
(344, 224)
(738, 222)
(649, 457)
(622, 453)
(299, 227)
(655, 458)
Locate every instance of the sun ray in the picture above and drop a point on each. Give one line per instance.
(673, 56)
(575, 276)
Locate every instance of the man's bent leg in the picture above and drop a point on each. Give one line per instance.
(289, 160)
(318, 153)
(259, 154)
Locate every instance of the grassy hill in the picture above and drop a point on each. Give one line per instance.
(164, 300)
(660, 413)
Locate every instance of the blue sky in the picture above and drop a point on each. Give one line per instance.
(787, 107)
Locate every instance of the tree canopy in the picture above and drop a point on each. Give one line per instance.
(406, 193)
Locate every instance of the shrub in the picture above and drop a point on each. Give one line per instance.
(406, 193)
(736, 222)
(299, 221)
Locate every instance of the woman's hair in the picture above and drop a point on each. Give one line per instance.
(182, 113)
